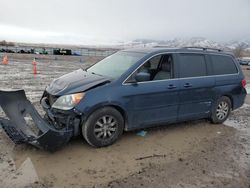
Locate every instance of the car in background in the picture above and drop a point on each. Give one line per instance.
(244, 61)
(62, 52)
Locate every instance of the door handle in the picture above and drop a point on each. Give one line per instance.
(187, 85)
(171, 86)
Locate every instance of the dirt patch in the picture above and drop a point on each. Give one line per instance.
(212, 166)
(222, 161)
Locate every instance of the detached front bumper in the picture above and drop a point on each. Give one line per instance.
(17, 107)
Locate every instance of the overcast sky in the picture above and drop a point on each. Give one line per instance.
(103, 21)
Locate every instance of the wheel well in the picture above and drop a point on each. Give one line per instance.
(123, 113)
(231, 99)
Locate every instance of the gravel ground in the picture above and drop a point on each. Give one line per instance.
(191, 154)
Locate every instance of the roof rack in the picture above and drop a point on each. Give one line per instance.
(161, 46)
(203, 48)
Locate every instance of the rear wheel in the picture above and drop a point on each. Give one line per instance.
(221, 110)
(103, 127)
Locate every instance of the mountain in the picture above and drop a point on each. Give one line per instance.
(234, 44)
(179, 42)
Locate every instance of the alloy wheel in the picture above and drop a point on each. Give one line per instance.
(222, 110)
(105, 127)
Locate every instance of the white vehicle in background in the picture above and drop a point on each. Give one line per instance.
(244, 61)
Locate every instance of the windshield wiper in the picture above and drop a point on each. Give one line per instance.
(96, 74)
(84, 69)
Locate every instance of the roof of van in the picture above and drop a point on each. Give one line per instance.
(181, 50)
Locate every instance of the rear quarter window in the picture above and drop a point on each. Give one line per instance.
(223, 65)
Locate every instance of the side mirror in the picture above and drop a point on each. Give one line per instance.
(142, 77)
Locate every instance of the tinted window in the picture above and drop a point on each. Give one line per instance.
(223, 65)
(192, 65)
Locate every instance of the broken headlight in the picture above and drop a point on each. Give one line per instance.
(67, 102)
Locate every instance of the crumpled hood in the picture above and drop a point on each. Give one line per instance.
(77, 81)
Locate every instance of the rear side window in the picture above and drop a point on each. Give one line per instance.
(223, 65)
(192, 65)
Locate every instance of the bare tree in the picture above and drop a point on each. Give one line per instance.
(5, 43)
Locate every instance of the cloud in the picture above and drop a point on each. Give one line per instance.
(81, 21)
(20, 34)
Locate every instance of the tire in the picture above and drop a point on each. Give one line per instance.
(221, 110)
(103, 127)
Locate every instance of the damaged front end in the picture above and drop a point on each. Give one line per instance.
(17, 107)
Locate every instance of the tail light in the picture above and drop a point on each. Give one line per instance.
(243, 83)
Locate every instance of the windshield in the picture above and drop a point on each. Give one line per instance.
(115, 65)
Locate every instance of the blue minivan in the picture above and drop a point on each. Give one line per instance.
(131, 89)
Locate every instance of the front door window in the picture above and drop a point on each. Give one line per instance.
(159, 67)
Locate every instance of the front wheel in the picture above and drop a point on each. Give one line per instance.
(221, 110)
(103, 127)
